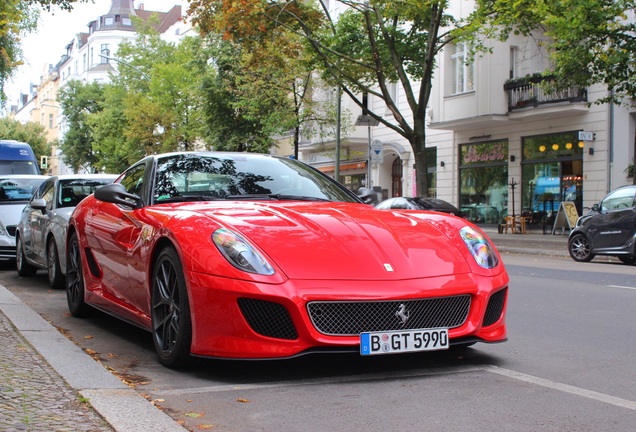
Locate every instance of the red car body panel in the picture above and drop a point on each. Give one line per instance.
(320, 251)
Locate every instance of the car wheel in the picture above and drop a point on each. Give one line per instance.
(627, 259)
(579, 248)
(21, 264)
(170, 314)
(75, 279)
(56, 281)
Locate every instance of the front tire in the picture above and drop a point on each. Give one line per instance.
(627, 259)
(56, 280)
(75, 279)
(170, 314)
(22, 266)
(580, 249)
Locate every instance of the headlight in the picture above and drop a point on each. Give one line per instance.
(479, 247)
(240, 253)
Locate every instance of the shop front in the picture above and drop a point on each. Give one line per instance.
(483, 178)
(552, 172)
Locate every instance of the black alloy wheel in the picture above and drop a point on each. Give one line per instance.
(170, 314)
(75, 279)
(580, 249)
(21, 264)
(56, 280)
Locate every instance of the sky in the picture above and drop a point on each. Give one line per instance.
(55, 30)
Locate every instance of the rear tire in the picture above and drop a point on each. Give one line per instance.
(628, 259)
(75, 280)
(56, 280)
(22, 266)
(170, 313)
(580, 249)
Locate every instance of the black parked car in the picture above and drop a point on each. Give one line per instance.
(609, 228)
(419, 203)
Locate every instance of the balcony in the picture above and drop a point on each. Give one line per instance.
(535, 90)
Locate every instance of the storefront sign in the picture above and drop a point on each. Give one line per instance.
(484, 153)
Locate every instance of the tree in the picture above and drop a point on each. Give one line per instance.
(31, 133)
(18, 17)
(229, 125)
(371, 46)
(78, 101)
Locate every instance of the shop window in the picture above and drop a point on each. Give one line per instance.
(483, 177)
(552, 172)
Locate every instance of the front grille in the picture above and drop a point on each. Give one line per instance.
(268, 318)
(353, 318)
(494, 308)
(11, 229)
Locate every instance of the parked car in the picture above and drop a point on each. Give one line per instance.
(608, 229)
(238, 255)
(41, 232)
(418, 203)
(15, 192)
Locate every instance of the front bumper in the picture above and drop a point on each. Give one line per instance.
(240, 319)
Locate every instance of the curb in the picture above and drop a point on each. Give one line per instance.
(119, 405)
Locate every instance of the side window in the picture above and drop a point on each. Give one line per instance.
(620, 199)
(48, 195)
(133, 180)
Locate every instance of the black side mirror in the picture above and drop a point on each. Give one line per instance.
(368, 196)
(116, 193)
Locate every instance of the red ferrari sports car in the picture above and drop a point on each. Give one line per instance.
(238, 255)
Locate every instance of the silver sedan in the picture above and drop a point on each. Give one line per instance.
(41, 232)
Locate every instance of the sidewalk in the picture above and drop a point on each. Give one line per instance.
(533, 242)
(47, 383)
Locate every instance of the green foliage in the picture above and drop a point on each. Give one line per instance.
(32, 133)
(371, 48)
(79, 101)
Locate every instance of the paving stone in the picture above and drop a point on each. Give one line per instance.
(33, 397)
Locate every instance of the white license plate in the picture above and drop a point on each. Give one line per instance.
(393, 342)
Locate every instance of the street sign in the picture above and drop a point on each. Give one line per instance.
(377, 156)
(586, 136)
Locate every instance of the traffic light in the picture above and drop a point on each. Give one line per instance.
(44, 162)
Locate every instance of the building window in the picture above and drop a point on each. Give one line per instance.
(104, 54)
(393, 93)
(108, 21)
(126, 21)
(514, 62)
(463, 80)
(50, 121)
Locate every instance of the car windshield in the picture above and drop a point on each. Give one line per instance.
(18, 167)
(200, 176)
(17, 189)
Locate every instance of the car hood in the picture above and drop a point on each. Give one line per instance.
(10, 213)
(346, 241)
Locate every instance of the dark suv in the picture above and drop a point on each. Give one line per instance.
(609, 229)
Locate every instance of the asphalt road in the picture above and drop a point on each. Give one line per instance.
(568, 366)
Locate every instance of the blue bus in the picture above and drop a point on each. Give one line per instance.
(17, 158)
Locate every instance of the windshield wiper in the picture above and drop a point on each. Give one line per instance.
(275, 197)
(186, 198)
